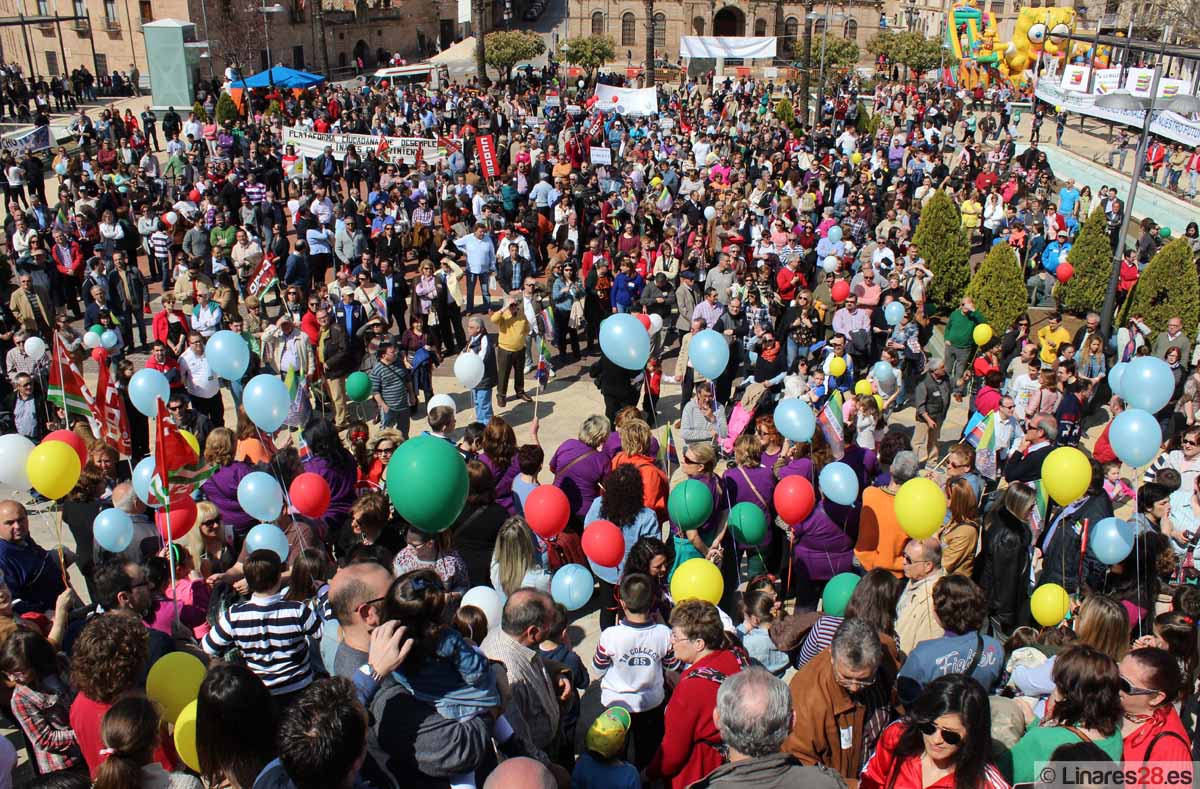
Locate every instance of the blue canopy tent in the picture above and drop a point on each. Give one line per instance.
(281, 77)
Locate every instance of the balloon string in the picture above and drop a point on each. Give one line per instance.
(170, 546)
(62, 563)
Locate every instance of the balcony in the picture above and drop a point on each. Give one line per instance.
(81, 26)
(1108, 21)
(111, 25)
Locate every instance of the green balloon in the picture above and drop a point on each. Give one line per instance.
(97, 329)
(427, 483)
(748, 522)
(1165, 232)
(690, 504)
(837, 593)
(358, 386)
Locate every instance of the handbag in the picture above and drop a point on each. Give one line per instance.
(577, 320)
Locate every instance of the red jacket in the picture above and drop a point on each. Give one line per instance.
(1128, 275)
(687, 753)
(166, 368)
(1103, 451)
(159, 326)
(1168, 748)
(68, 259)
(1155, 154)
(883, 771)
(788, 282)
(86, 716)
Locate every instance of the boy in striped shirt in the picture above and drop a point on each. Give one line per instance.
(271, 633)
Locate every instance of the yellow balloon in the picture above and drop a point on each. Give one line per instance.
(920, 507)
(53, 469)
(1049, 604)
(837, 366)
(1066, 474)
(174, 682)
(697, 579)
(862, 387)
(855, 158)
(185, 736)
(982, 334)
(192, 441)
(879, 402)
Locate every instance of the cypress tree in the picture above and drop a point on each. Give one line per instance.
(1167, 288)
(944, 245)
(1092, 258)
(998, 288)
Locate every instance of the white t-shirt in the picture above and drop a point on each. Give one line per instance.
(631, 657)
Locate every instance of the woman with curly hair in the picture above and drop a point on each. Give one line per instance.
(621, 504)
(649, 556)
(107, 661)
(500, 456)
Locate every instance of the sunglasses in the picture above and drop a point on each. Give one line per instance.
(1187, 442)
(1129, 689)
(949, 737)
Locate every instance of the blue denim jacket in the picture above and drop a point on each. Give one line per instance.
(456, 678)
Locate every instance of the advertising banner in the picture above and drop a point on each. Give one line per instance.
(625, 101)
(485, 146)
(397, 150)
(1165, 123)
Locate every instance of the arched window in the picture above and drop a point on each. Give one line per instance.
(598, 23)
(851, 30)
(819, 27)
(760, 27)
(791, 29)
(628, 28)
(698, 25)
(660, 31)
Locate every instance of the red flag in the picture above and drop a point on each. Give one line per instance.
(383, 146)
(67, 388)
(113, 419)
(449, 143)
(177, 467)
(485, 146)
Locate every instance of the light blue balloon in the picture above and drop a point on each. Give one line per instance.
(1116, 376)
(1135, 437)
(795, 420)
(266, 401)
(1147, 383)
(709, 353)
(625, 342)
(146, 388)
(835, 233)
(1111, 540)
(571, 586)
(109, 339)
(882, 371)
(260, 496)
(268, 537)
(839, 483)
(228, 354)
(143, 473)
(893, 312)
(113, 530)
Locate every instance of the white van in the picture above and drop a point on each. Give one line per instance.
(431, 76)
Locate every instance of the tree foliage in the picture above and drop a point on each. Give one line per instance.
(840, 53)
(589, 52)
(998, 287)
(235, 35)
(199, 112)
(1167, 288)
(226, 111)
(1092, 258)
(911, 49)
(785, 112)
(946, 248)
(504, 49)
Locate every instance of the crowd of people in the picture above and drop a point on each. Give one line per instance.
(838, 650)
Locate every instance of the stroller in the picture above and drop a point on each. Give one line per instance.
(743, 415)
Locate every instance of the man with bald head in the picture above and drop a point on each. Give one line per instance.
(32, 573)
(915, 621)
(521, 773)
(356, 595)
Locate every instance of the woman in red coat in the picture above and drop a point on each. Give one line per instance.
(1151, 730)
(689, 747)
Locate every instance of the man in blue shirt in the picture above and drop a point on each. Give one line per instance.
(481, 264)
(32, 573)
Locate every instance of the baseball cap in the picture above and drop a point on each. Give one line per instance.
(606, 736)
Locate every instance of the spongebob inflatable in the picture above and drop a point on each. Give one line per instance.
(1039, 31)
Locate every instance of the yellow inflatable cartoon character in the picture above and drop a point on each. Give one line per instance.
(1038, 30)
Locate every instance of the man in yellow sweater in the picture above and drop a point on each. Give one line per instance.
(510, 346)
(1050, 337)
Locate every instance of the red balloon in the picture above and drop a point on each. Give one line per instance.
(179, 521)
(310, 494)
(643, 319)
(99, 355)
(71, 438)
(1064, 272)
(840, 290)
(794, 499)
(604, 543)
(547, 510)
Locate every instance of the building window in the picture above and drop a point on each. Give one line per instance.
(110, 10)
(698, 25)
(791, 29)
(43, 8)
(80, 8)
(819, 27)
(146, 10)
(628, 28)
(851, 30)
(598, 23)
(760, 27)
(660, 31)
(51, 63)
(998, 7)
(101, 64)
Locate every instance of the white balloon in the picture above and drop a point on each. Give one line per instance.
(440, 400)
(468, 369)
(91, 340)
(655, 323)
(14, 452)
(487, 600)
(172, 217)
(831, 263)
(35, 347)
(710, 213)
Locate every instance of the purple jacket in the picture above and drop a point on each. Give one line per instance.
(221, 490)
(612, 445)
(749, 484)
(504, 482)
(341, 489)
(822, 548)
(858, 459)
(580, 482)
(708, 529)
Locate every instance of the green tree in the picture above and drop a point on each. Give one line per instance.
(785, 112)
(998, 288)
(912, 50)
(198, 111)
(589, 53)
(1092, 258)
(945, 247)
(226, 111)
(1167, 288)
(504, 49)
(840, 53)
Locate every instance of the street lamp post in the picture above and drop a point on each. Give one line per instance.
(267, 11)
(821, 73)
(807, 49)
(1182, 104)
